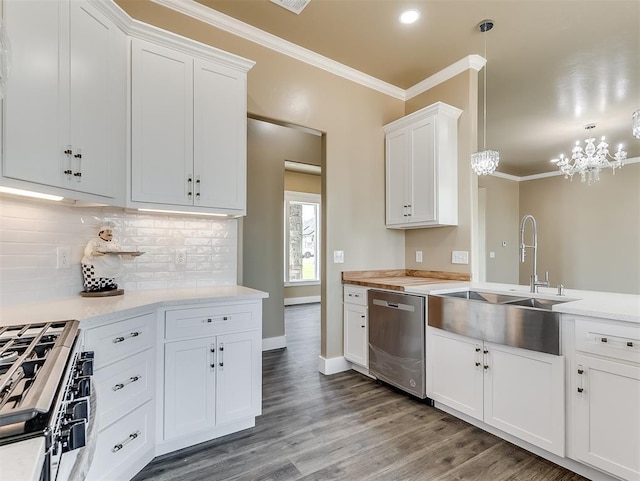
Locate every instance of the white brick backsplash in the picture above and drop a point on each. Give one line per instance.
(31, 231)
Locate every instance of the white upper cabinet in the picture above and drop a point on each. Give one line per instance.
(189, 130)
(422, 168)
(65, 108)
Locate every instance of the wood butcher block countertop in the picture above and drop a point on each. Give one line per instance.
(398, 279)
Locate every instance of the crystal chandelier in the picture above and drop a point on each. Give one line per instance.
(635, 124)
(485, 161)
(588, 162)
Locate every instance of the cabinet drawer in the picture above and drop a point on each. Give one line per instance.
(355, 295)
(619, 341)
(123, 442)
(112, 342)
(124, 385)
(211, 320)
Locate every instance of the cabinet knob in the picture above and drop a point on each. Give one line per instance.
(580, 371)
(486, 367)
(221, 364)
(477, 349)
(629, 344)
(580, 389)
(362, 327)
(68, 171)
(78, 156)
(477, 364)
(604, 339)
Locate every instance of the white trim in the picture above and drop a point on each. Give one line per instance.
(302, 283)
(475, 62)
(333, 365)
(271, 343)
(294, 166)
(294, 301)
(506, 176)
(253, 34)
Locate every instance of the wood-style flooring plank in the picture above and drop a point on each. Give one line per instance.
(346, 427)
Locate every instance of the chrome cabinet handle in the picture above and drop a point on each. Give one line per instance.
(121, 385)
(122, 444)
(124, 338)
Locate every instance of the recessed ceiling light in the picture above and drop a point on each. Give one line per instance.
(410, 16)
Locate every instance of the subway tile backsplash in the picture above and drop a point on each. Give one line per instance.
(31, 232)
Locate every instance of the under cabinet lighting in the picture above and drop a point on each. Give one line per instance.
(179, 212)
(28, 193)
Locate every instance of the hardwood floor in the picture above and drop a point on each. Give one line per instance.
(346, 427)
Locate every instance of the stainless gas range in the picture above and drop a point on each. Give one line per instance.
(45, 392)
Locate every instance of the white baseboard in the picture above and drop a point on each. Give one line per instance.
(292, 301)
(333, 365)
(271, 343)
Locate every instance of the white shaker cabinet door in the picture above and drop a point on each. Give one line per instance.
(189, 386)
(397, 177)
(33, 108)
(219, 136)
(423, 180)
(455, 371)
(356, 334)
(162, 125)
(97, 103)
(524, 395)
(239, 374)
(606, 404)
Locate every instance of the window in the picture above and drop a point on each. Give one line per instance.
(302, 238)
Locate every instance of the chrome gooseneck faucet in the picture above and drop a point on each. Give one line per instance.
(534, 282)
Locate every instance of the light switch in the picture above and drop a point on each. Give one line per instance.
(338, 257)
(418, 256)
(459, 257)
(492, 255)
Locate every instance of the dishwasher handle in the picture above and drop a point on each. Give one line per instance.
(393, 305)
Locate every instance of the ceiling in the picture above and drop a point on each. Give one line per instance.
(553, 66)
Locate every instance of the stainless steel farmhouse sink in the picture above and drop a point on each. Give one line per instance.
(512, 320)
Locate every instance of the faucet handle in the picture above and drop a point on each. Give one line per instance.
(560, 290)
(546, 278)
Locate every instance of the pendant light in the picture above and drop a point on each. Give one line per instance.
(485, 161)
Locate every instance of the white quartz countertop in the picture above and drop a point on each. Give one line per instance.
(605, 305)
(105, 308)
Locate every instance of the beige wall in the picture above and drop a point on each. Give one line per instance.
(588, 236)
(352, 117)
(301, 182)
(437, 243)
(502, 217)
(268, 145)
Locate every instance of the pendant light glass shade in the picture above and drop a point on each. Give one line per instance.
(635, 124)
(485, 161)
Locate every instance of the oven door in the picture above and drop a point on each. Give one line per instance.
(74, 465)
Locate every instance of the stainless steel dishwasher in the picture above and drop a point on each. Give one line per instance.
(397, 340)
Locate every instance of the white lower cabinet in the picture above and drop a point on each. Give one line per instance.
(212, 372)
(356, 326)
(605, 397)
(209, 381)
(518, 391)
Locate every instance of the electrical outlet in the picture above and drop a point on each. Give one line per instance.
(418, 256)
(64, 257)
(459, 257)
(181, 257)
(338, 257)
(492, 255)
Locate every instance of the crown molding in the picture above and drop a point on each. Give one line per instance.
(475, 62)
(544, 175)
(224, 22)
